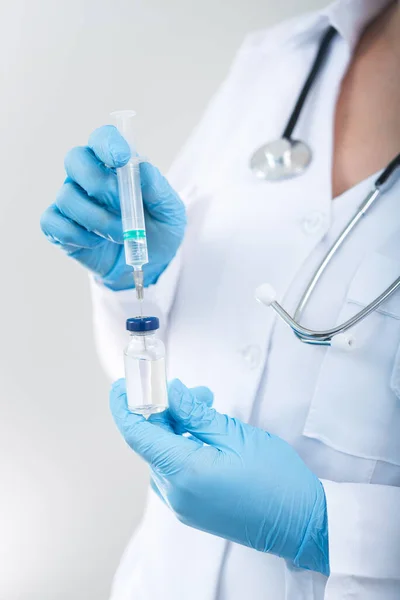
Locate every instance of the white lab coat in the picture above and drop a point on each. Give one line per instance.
(340, 411)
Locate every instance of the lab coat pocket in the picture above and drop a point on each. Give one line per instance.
(356, 407)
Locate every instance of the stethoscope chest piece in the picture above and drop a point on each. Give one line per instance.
(280, 159)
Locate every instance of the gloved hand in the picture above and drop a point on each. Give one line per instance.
(244, 485)
(85, 220)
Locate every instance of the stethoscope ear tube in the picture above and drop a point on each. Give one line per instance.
(386, 175)
(287, 157)
(315, 69)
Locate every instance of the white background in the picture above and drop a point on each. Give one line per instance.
(70, 492)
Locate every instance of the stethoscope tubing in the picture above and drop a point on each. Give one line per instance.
(304, 334)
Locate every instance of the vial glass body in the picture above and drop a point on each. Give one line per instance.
(145, 374)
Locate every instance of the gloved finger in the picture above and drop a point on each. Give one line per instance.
(160, 200)
(165, 419)
(90, 250)
(99, 181)
(62, 231)
(205, 423)
(109, 146)
(160, 448)
(204, 394)
(73, 202)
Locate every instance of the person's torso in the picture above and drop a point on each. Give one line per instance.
(341, 411)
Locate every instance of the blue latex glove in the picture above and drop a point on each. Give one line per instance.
(245, 485)
(86, 221)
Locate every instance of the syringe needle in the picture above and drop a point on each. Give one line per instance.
(138, 279)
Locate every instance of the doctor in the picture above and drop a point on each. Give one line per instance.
(296, 492)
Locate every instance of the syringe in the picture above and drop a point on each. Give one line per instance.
(130, 194)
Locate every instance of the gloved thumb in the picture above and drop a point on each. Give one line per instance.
(196, 417)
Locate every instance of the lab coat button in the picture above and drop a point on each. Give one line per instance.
(251, 355)
(314, 223)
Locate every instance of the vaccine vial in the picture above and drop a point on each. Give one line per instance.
(145, 372)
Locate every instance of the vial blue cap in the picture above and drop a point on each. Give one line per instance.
(142, 324)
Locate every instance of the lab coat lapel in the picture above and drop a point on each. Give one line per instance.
(283, 223)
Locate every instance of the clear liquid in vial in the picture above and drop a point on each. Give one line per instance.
(146, 385)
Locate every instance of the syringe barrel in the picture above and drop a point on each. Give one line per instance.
(130, 194)
(134, 229)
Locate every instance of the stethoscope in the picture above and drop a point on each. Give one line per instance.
(286, 158)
